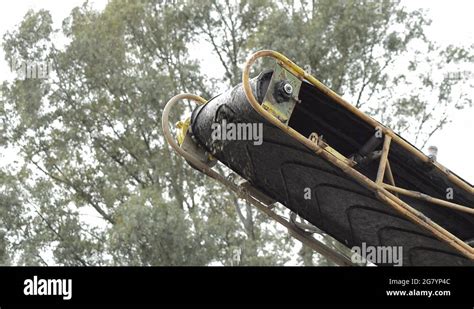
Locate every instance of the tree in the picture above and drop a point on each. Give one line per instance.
(91, 145)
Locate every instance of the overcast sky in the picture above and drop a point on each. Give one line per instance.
(453, 23)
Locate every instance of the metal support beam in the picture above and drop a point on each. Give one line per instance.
(383, 159)
(425, 197)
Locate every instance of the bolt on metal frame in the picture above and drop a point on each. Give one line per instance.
(381, 189)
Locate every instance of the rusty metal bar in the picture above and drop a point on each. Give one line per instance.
(383, 159)
(390, 178)
(384, 195)
(294, 231)
(420, 219)
(425, 197)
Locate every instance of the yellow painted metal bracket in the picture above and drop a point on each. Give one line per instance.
(182, 126)
(282, 107)
(381, 189)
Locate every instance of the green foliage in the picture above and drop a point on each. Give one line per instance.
(96, 184)
(150, 231)
(92, 149)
